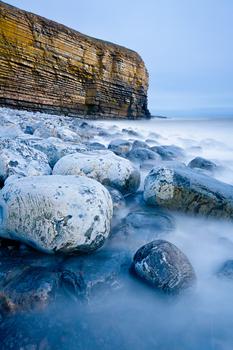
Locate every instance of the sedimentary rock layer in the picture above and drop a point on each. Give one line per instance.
(48, 67)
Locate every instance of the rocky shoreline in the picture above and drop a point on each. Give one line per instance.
(86, 203)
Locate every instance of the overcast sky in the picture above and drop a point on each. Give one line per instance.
(187, 45)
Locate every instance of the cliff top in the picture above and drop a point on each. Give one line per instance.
(55, 27)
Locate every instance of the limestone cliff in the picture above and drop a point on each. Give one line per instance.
(46, 66)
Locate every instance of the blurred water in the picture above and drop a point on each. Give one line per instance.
(135, 316)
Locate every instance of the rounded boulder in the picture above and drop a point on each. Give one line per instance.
(56, 213)
(162, 265)
(103, 166)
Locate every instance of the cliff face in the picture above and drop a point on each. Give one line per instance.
(46, 66)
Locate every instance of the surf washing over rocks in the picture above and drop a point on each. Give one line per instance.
(124, 218)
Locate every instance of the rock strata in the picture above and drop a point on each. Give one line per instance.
(46, 66)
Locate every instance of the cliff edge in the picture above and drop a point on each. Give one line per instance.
(48, 67)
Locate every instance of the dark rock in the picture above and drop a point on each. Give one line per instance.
(33, 287)
(29, 130)
(164, 266)
(226, 270)
(142, 155)
(183, 189)
(131, 132)
(140, 144)
(120, 147)
(117, 198)
(141, 227)
(96, 146)
(158, 221)
(202, 163)
(169, 152)
(100, 273)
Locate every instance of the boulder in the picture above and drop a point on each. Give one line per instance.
(202, 163)
(141, 155)
(169, 152)
(33, 287)
(55, 148)
(130, 132)
(96, 146)
(164, 266)
(140, 227)
(120, 147)
(103, 166)
(118, 200)
(56, 213)
(17, 158)
(181, 188)
(226, 270)
(97, 274)
(140, 144)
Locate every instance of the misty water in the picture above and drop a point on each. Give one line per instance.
(133, 315)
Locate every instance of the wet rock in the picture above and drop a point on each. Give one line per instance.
(55, 148)
(140, 144)
(130, 132)
(56, 213)
(142, 155)
(202, 163)
(164, 266)
(117, 198)
(183, 189)
(120, 147)
(33, 287)
(10, 131)
(22, 160)
(103, 166)
(29, 130)
(226, 270)
(142, 226)
(67, 135)
(169, 152)
(96, 146)
(158, 221)
(49, 129)
(100, 272)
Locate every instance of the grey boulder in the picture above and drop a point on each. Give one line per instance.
(169, 152)
(120, 147)
(226, 270)
(142, 155)
(202, 163)
(183, 189)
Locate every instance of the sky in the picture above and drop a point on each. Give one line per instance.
(186, 45)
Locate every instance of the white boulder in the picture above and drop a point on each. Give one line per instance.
(56, 213)
(16, 158)
(103, 166)
(55, 148)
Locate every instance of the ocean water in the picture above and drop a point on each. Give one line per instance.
(137, 317)
(202, 318)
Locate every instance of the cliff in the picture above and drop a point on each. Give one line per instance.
(46, 66)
